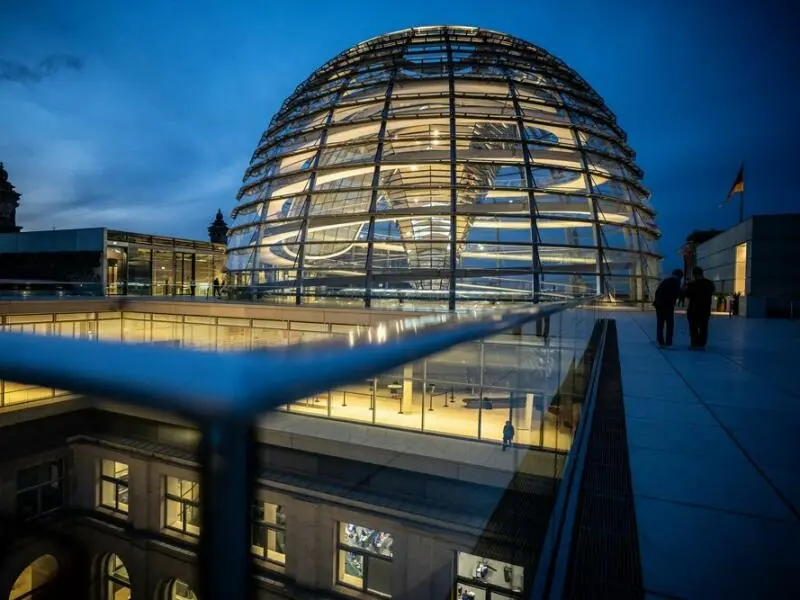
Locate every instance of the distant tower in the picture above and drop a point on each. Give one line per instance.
(218, 230)
(9, 201)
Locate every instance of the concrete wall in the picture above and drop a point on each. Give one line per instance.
(773, 264)
(776, 256)
(717, 257)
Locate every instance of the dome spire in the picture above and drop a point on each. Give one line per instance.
(9, 201)
(218, 230)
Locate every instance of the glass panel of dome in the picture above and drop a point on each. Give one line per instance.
(604, 166)
(347, 154)
(371, 77)
(568, 236)
(557, 258)
(433, 142)
(436, 70)
(358, 112)
(348, 133)
(243, 237)
(535, 93)
(356, 176)
(426, 107)
(502, 106)
(543, 112)
(428, 88)
(544, 136)
(496, 229)
(485, 255)
(405, 129)
(364, 92)
(290, 144)
(621, 238)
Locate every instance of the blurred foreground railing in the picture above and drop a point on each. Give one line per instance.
(225, 393)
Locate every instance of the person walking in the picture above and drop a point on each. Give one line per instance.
(508, 434)
(699, 292)
(215, 285)
(667, 293)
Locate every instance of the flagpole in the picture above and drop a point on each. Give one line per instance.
(741, 198)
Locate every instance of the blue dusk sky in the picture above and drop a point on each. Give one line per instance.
(144, 115)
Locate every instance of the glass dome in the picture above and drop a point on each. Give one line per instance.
(450, 165)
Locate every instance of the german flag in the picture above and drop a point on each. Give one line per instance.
(738, 185)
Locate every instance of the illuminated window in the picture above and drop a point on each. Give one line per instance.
(740, 275)
(180, 590)
(182, 506)
(365, 559)
(114, 485)
(116, 583)
(40, 489)
(33, 579)
(269, 532)
(487, 579)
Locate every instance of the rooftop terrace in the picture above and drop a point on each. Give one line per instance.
(715, 457)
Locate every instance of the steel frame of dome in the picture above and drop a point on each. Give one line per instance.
(445, 164)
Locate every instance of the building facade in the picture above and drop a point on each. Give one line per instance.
(759, 260)
(99, 261)
(447, 165)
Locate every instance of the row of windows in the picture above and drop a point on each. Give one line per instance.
(363, 555)
(182, 510)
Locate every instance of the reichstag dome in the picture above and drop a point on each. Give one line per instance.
(444, 165)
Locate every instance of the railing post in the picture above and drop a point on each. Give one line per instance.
(226, 507)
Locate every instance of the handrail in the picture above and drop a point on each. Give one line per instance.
(551, 571)
(226, 392)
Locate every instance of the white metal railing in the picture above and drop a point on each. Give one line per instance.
(225, 393)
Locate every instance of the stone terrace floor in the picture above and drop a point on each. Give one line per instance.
(714, 442)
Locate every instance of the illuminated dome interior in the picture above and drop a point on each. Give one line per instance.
(451, 165)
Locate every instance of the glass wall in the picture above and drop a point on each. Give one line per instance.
(140, 265)
(530, 378)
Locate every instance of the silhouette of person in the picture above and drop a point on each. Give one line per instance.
(508, 434)
(667, 294)
(699, 292)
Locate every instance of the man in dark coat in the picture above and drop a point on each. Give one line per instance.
(700, 293)
(667, 294)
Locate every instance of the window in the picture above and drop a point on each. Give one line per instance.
(34, 578)
(114, 485)
(182, 506)
(180, 590)
(484, 579)
(40, 489)
(365, 559)
(269, 532)
(116, 583)
(740, 274)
